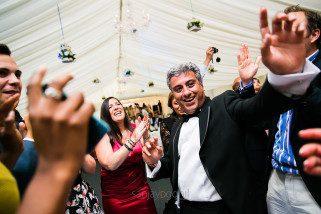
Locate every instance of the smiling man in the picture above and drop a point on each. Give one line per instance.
(206, 159)
(10, 85)
(10, 88)
(10, 82)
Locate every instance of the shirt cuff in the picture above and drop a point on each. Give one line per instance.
(150, 173)
(293, 85)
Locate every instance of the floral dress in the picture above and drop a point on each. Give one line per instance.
(82, 198)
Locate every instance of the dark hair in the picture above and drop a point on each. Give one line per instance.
(4, 50)
(236, 84)
(170, 100)
(254, 78)
(313, 17)
(170, 103)
(114, 132)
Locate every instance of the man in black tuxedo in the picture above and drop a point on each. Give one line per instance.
(206, 159)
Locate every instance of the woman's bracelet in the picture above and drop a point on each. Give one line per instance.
(131, 142)
(128, 148)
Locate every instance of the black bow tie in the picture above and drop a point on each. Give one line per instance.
(186, 117)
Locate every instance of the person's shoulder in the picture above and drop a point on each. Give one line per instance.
(224, 95)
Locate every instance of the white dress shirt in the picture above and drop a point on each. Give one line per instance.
(193, 181)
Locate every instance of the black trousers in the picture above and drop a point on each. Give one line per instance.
(192, 207)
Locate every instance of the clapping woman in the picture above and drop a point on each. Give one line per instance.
(123, 182)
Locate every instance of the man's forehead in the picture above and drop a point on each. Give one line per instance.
(7, 59)
(184, 76)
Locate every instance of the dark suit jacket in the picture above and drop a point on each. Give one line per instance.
(306, 114)
(222, 152)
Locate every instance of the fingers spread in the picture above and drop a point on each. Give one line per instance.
(277, 22)
(265, 46)
(258, 61)
(264, 24)
(61, 82)
(34, 90)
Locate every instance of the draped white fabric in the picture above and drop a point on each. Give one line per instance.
(31, 29)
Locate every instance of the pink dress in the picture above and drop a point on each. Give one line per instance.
(125, 190)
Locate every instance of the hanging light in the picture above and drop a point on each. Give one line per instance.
(65, 54)
(194, 24)
(133, 21)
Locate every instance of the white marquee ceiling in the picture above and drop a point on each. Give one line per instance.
(31, 29)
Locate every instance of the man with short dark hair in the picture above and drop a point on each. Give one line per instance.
(10, 85)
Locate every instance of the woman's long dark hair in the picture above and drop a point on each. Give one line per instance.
(114, 132)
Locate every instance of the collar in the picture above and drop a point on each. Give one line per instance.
(186, 117)
(313, 56)
(29, 139)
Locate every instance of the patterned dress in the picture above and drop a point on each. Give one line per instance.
(82, 198)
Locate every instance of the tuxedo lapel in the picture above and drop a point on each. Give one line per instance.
(204, 118)
(175, 154)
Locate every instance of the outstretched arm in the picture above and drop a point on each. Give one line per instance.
(208, 56)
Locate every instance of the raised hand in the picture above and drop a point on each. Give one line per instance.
(246, 67)
(283, 49)
(311, 151)
(209, 56)
(152, 153)
(60, 128)
(10, 137)
(139, 131)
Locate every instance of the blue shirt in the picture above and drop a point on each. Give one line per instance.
(282, 156)
(26, 165)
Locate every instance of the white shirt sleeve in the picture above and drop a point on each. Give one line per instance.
(292, 85)
(150, 173)
(203, 70)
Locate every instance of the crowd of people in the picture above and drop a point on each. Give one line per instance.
(252, 149)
